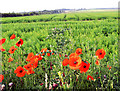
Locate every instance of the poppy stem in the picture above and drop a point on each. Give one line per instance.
(100, 78)
(75, 79)
(46, 80)
(49, 77)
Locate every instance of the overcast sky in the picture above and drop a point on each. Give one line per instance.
(38, 5)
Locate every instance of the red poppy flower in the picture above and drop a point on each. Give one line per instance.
(35, 63)
(20, 71)
(52, 53)
(30, 71)
(43, 50)
(109, 67)
(1, 48)
(38, 57)
(12, 49)
(30, 56)
(48, 54)
(2, 41)
(59, 55)
(32, 60)
(97, 62)
(19, 43)
(28, 66)
(50, 50)
(84, 66)
(43, 54)
(72, 54)
(90, 77)
(100, 53)
(79, 51)
(13, 36)
(65, 62)
(1, 77)
(75, 62)
(10, 59)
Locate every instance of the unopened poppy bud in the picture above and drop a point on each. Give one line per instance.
(98, 77)
(51, 64)
(76, 79)
(51, 68)
(63, 74)
(66, 55)
(41, 84)
(60, 83)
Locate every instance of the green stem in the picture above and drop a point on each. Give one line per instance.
(100, 78)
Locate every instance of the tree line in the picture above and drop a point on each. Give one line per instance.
(30, 13)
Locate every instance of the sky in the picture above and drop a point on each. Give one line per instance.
(7, 6)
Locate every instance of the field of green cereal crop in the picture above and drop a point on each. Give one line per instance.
(63, 34)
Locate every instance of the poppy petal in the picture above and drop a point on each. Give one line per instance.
(65, 62)
(79, 51)
(84, 66)
(90, 77)
(12, 49)
(20, 71)
(12, 36)
(1, 77)
(19, 43)
(10, 59)
(100, 53)
(2, 41)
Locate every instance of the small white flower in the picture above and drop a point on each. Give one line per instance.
(3, 85)
(10, 84)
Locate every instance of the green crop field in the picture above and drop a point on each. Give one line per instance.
(62, 33)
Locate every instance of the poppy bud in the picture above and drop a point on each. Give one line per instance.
(98, 77)
(51, 64)
(51, 68)
(66, 55)
(76, 79)
(60, 83)
(41, 84)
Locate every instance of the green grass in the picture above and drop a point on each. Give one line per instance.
(63, 33)
(63, 17)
